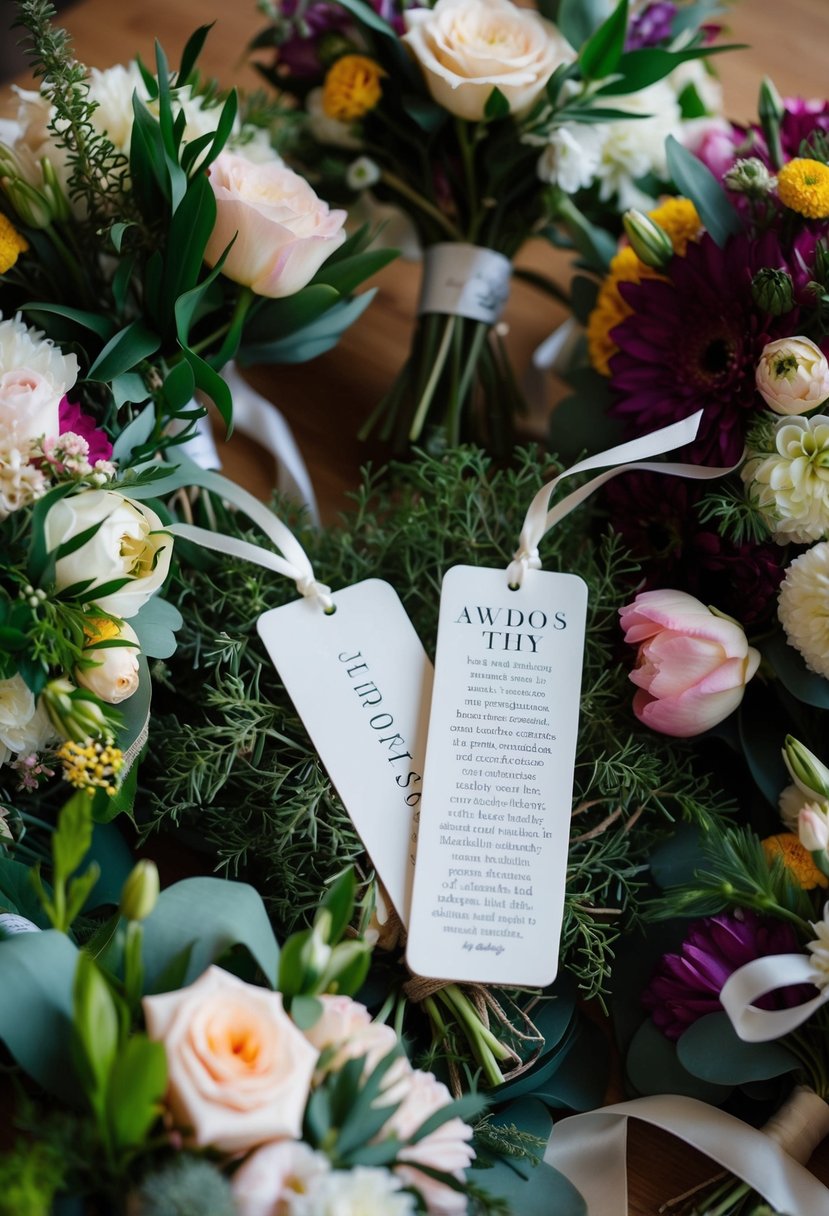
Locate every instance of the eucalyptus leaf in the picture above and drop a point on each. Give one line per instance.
(578, 20)
(805, 685)
(696, 181)
(653, 1067)
(532, 1189)
(17, 893)
(207, 917)
(317, 338)
(712, 1050)
(763, 728)
(38, 972)
(155, 624)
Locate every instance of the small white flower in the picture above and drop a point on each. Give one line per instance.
(803, 607)
(24, 726)
(813, 827)
(571, 159)
(790, 803)
(635, 149)
(21, 482)
(358, 1192)
(275, 1174)
(819, 950)
(362, 173)
(791, 486)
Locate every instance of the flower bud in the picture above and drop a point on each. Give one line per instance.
(792, 376)
(77, 714)
(650, 241)
(29, 204)
(773, 291)
(771, 110)
(808, 773)
(750, 176)
(139, 893)
(54, 193)
(813, 827)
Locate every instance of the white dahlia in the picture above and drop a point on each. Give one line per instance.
(803, 607)
(791, 486)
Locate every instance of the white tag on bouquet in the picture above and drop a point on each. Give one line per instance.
(492, 853)
(362, 683)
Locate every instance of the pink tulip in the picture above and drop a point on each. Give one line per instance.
(692, 666)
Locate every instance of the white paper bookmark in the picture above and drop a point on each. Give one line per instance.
(488, 896)
(492, 857)
(359, 677)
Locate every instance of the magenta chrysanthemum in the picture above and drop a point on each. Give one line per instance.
(72, 418)
(693, 342)
(686, 986)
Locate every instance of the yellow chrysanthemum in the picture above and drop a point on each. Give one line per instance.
(803, 186)
(679, 218)
(91, 765)
(796, 859)
(352, 88)
(12, 244)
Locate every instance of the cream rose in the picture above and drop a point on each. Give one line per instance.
(34, 376)
(793, 375)
(239, 1070)
(283, 231)
(130, 542)
(114, 676)
(467, 48)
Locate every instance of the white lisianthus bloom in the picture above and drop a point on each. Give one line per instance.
(24, 726)
(819, 950)
(114, 676)
(791, 487)
(571, 159)
(130, 543)
(803, 607)
(358, 1192)
(635, 149)
(34, 377)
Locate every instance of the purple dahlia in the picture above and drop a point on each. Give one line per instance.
(693, 341)
(686, 986)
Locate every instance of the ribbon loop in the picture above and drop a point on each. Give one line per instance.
(755, 979)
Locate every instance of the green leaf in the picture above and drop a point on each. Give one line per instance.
(789, 667)
(762, 729)
(639, 69)
(653, 1067)
(190, 230)
(192, 50)
(284, 317)
(366, 15)
(339, 901)
(346, 274)
(96, 1026)
(117, 233)
(73, 836)
(129, 347)
(579, 19)
(212, 383)
(312, 341)
(38, 972)
(602, 52)
(17, 894)
(496, 106)
(155, 624)
(712, 1050)
(129, 388)
(306, 1011)
(134, 435)
(696, 181)
(93, 321)
(136, 1088)
(148, 163)
(224, 128)
(208, 916)
(531, 1189)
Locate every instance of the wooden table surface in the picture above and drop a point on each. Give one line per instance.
(326, 402)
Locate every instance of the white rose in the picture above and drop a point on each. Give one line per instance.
(793, 375)
(129, 543)
(114, 676)
(467, 48)
(24, 726)
(34, 377)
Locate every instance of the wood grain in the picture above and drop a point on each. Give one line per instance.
(326, 402)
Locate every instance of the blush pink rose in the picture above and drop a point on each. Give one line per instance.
(283, 231)
(239, 1070)
(692, 666)
(447, 1149)
(348, 1027)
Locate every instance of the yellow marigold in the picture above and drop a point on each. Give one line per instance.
(803, 186)
(352, 88)
(679, 218)
(12, 244)
(796, 859)
(91, 765)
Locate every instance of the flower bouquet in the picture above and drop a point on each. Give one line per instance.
(136, 259)
(416, 105)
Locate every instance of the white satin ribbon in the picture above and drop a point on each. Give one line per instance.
(292, 561)
(753, 980)
(590, 1150)
(625, 457)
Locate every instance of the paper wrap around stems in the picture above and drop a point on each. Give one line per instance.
(464, 281)
(590, 1150)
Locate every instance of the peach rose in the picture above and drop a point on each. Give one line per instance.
(239, 1070)
(446, 1149)
(467, 48)
(692, 666)
(283, 231)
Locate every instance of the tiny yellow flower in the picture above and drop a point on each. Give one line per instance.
(91, 765)
(12, 244)
(796, 859)
(352, 88)
(803, 186)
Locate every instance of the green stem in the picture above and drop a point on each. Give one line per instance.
(432, 383)
(397, 183)
(485, 1047)
(468, 162)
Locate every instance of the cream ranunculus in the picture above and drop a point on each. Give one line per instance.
(793, 375)
(467, 48)
(283, 231)
(239, 1070)
(130, 542)
(114, 676)
(34, 376)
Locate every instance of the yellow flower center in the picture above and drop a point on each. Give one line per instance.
(100, 629)
(352, 88)
(12, 244)
(139, 554)
(803, 186)
(796, 859)
(91, 765)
